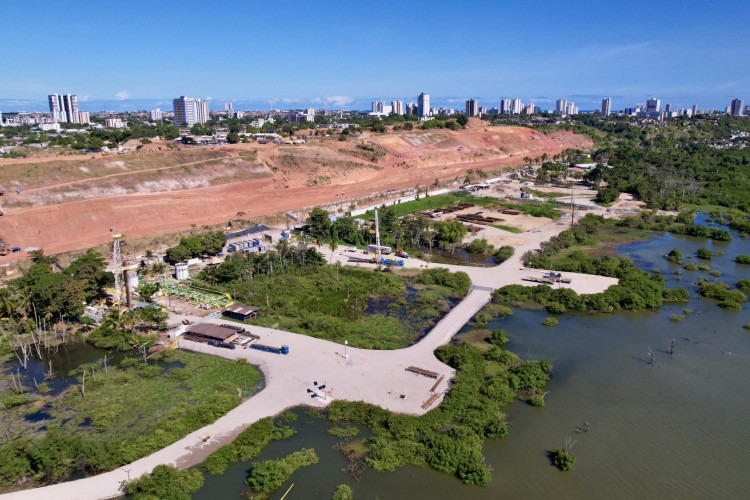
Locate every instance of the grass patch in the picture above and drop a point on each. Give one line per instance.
(510, 229)
(126, 412)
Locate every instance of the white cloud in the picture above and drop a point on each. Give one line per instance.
(83, 98)
(209, 98)
(122, 95)
(340, 100)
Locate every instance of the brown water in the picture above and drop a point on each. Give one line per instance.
(679, 429)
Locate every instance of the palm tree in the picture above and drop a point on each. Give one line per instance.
(7, 302)
(113, 320)
(23, 302)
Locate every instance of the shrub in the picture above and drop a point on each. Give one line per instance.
(498, 338)
(503, 253)
(742, 259)
(691, 267)
(676, 317)
(705, 254)
(343, 492)
(537, 400)
(549, 321)
(674, 256)
(743, 285)
(562, 459)
(746, 326)
(16, 400)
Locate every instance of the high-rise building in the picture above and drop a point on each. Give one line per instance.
(412, 108)
(377, 106)
(572, 109)
(561, 107)
(423, 105)
(156, 114)
(504, 106)
(398, 107)
(606, 106)
(516, 106)
(227, 106)
(737, 108)
(189, 111)
(653, 106)
(472, 107)
(64, 108)
(695, 109)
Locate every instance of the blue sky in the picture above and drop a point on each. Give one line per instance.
(287, 54)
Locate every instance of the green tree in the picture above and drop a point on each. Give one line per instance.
(462, 120)
(233, 138)
(319, 222)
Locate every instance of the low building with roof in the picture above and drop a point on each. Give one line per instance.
(242, 312)
(212, 331)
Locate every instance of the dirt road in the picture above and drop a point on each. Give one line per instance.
(376, 377)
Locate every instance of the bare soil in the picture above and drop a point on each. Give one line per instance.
(71, 202)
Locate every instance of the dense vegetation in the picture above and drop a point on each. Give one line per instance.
(294, 288)
(269, 475)
(48, 292)
(209, 243)
(116, 414)
(449, 438)
(562, 459)
(164, 482)
(246, 446)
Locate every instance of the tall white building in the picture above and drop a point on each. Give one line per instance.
(504, 106)
(572, 109)
(606, 106)
(737, 108)
(423, 105)
(377, 106)
(227, 106)
(64, 108)
(561, 107)
(190, 111)
(398, 107)
(156, 114)
(653, 106)
(472, 107)
(516, 106)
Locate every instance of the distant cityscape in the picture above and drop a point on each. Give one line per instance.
(188, 111)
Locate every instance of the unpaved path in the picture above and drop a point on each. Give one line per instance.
(376, 377)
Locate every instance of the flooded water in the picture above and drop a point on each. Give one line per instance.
(67, 357)
(677, 429)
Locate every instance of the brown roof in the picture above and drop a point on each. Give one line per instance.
(211, 330)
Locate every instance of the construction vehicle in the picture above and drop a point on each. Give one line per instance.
(3, 248)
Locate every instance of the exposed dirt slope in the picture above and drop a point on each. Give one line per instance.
(209, 186)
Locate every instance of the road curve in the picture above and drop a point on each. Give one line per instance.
(377, 377)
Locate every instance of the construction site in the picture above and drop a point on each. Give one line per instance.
(61, 204)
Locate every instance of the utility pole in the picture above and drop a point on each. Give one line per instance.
(377, 237)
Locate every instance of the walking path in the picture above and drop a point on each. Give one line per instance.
(376, 377)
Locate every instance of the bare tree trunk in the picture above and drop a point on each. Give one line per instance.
(83, 385)
(652, 359)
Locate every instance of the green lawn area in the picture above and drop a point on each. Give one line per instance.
(510, 229)
(432, 202)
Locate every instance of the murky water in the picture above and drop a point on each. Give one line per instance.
(678, 429)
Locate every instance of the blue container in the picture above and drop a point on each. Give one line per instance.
(285, 349)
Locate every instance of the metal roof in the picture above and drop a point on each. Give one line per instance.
(213, 331)
(242, 309)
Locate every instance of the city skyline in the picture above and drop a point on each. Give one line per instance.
(649, 50)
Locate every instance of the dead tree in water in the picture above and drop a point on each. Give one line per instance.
(652, 359)
(672, 346)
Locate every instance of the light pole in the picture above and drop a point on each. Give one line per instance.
(346, 342)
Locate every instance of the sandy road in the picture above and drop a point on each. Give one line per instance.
(377, 377)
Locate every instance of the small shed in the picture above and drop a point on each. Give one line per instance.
(210, 331)
(242, 312)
